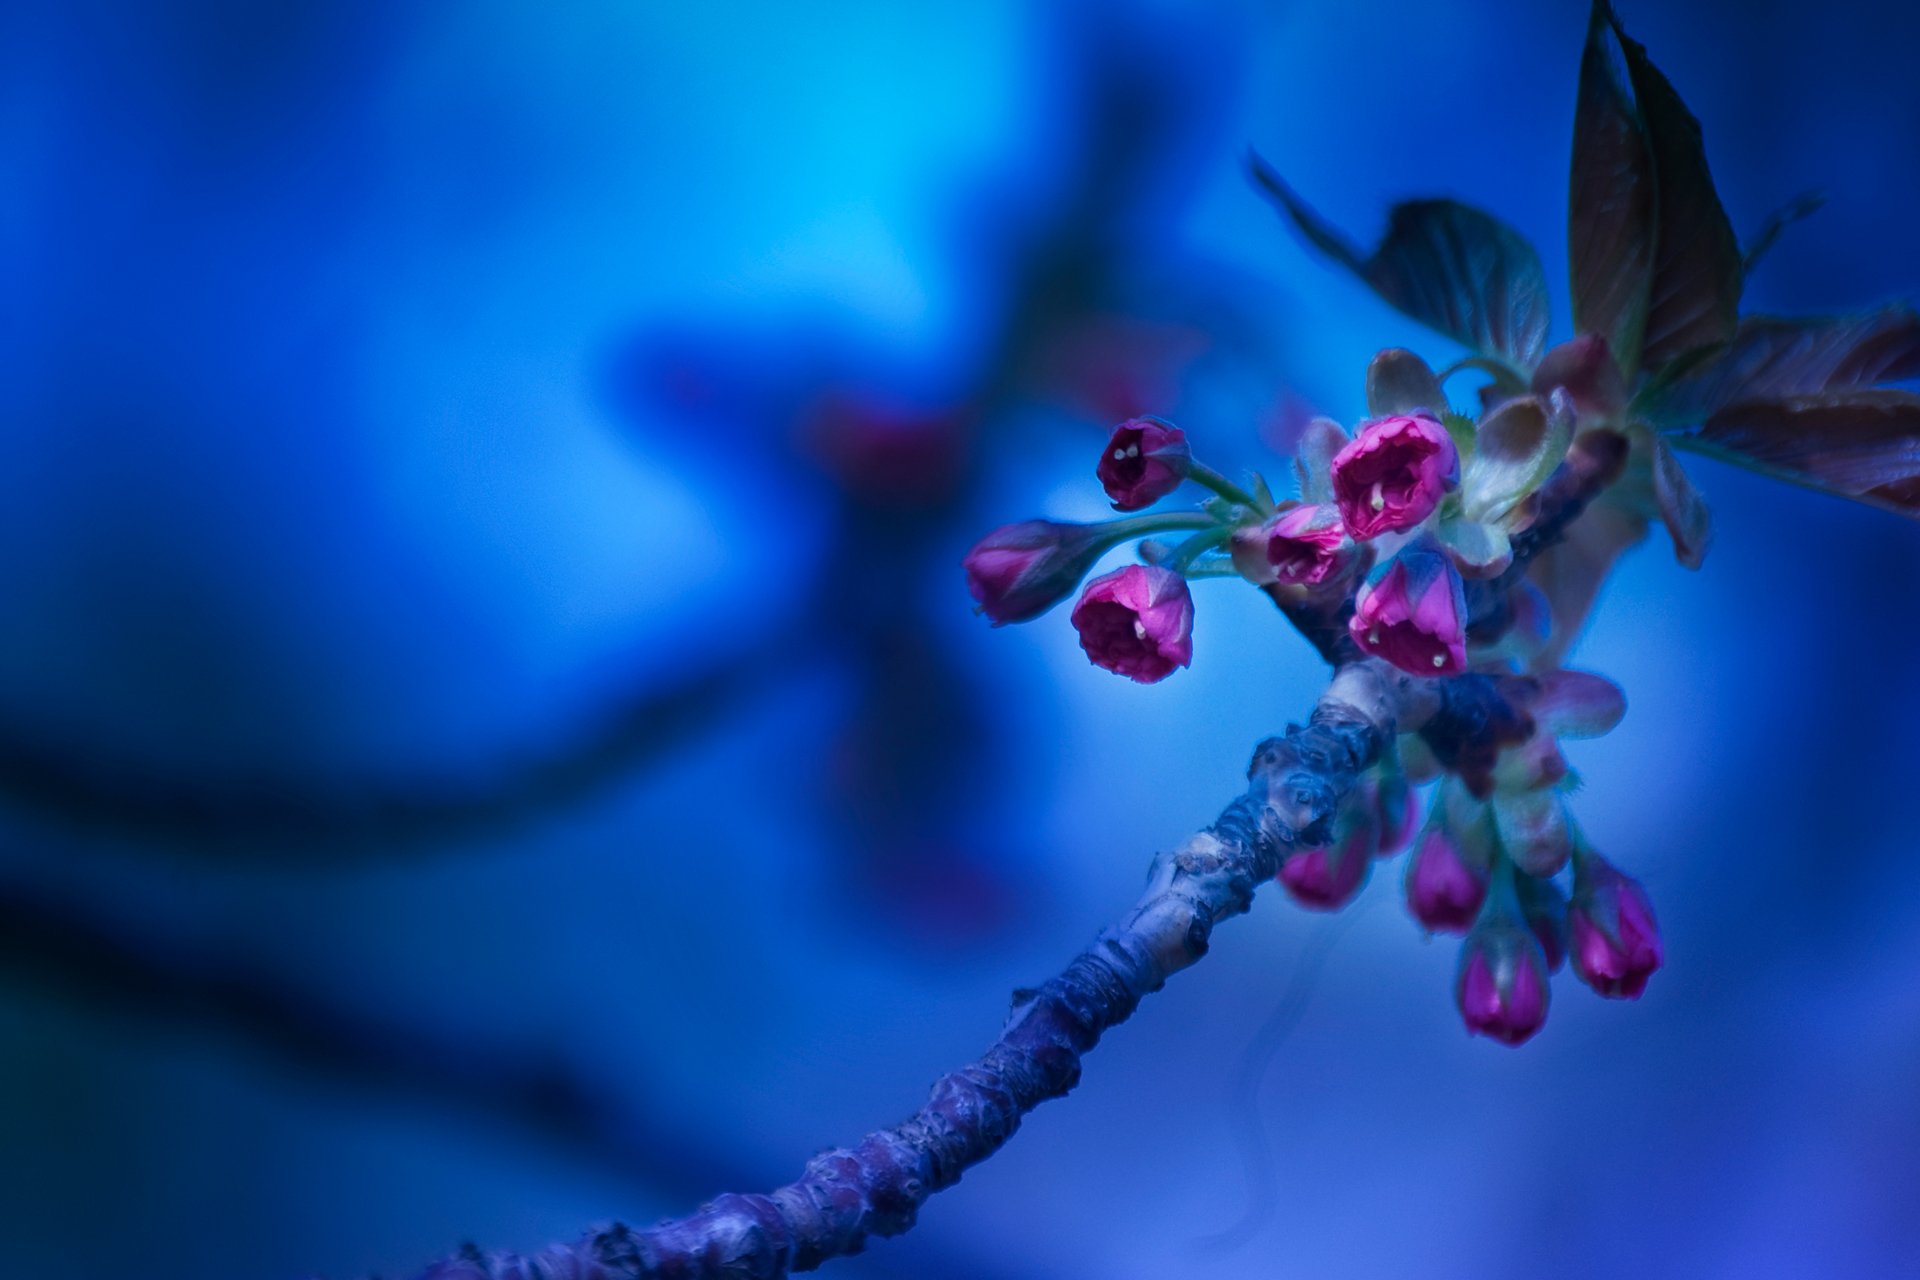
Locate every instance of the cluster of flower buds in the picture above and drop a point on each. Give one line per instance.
(1397, 525)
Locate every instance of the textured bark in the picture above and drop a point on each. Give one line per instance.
(875, 1187)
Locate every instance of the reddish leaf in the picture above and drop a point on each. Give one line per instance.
(1862, 444)
(1446, 264)
(1682, 509)
(1696, 262)
(1772, 358)
(1570, 572)
(1610, 202)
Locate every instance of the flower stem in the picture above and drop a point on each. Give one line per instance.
(1185, 554)
(1504, 374)
(1200, 473)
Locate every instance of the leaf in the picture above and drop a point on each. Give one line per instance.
(1320, 439)
(1695, 297)
(1399, 381)
(1570, 572)
(1682, 509)
(1446, 264)
(1861, 444)
(1773, 358)
(1516, 447)
(1610, 202)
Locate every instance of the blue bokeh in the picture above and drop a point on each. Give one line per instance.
(394, 393)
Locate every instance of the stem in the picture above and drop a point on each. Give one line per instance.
(1185, 554)
(1118, 531)
(1200, 473)
(1504, 374)
(876, 1187)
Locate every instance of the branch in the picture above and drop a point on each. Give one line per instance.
(371, 818)
(1295, 786)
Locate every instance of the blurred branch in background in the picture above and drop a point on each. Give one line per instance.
(384, 818)
(59, 943)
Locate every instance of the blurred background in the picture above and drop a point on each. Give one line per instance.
(493, 737)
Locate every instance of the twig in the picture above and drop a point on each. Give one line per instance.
(875, 1188)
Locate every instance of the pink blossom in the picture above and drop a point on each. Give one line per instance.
(1616, 943)
(1019, 571)
(1328, 878)
(1304, 546)
(1137, 621)
(1414, 616)
(1444, 889)
(1501, 988)
(1393, 474)
(1144, 462)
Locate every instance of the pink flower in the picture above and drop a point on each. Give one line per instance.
(1019, 571)
(1444, 889)
(1501, 986)
(1616, 943)
(1137, 621)
(1393, 474)
(1145, 461)
(1328, 878)
(1303, 546)
(1414, 616)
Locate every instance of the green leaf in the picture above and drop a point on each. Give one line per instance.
(1446, 264)
(1399, 381)
(1695, 297)
(1610, 202)
(1516, 447)
(1461, 428)
(1860, 444)
(1773, 358)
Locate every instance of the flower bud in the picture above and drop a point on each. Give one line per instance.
(1395, 808)
(1444, 885)
(1137, 622)
(1616, 943)
(1145, 461)
(1324, 879)
(1501, 985)
(1393, 474)
(1414, 615)
(1302, 546)
(1019, 571)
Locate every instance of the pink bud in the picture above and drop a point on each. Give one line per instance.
(1616, 943)
(1137, 621)
(1444, 888)
(1305, 546)
(1393, 474)
(1145, 461)
(1328, 878)
(1019, 571)
(1414, 616)
(1501, 987)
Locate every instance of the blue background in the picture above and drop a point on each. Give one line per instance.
(395, 393)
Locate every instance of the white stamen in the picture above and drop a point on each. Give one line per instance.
(1119, 455)
(1133, 451)
(1139, 629)
(1439, 659)
(1373, 636)
(1379, 500)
